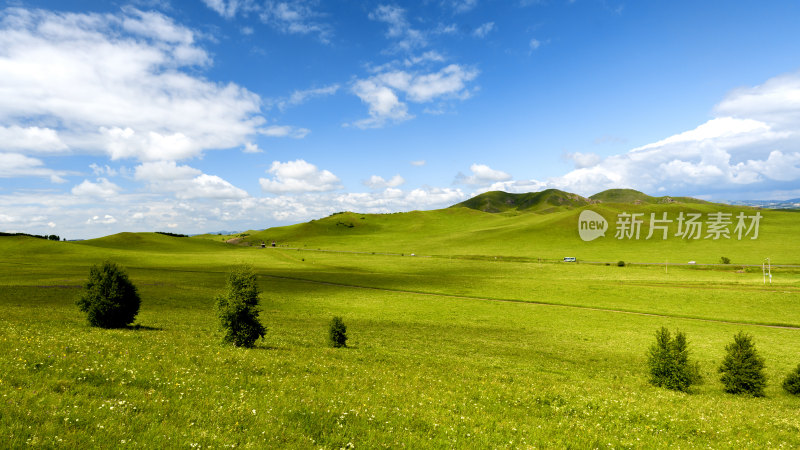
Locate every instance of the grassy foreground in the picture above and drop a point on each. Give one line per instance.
(442, 352)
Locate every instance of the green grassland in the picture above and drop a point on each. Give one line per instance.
(478, 344)
(542, 227)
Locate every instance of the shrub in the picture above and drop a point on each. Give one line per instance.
(743, 368)
(792, 382)
(109, 298)
(237, 308)
(668, 361)
(337, 333)
(620, 263)
(724, 260)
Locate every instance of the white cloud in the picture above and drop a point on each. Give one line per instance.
(378, 182)
(777, 101)
(380, 92)
(102, 188)
(104, 220)
(418, 163)
(31, 140)
(298, 176)
(285, 131)
(384, 105)
(185, 182)
(224, 8)
(161, 171)
(483, 30)
(300, 97)
(534, 44)
(517, 187)
(13, 165)
(122, 84)
(295, 17)
(462, 6)
(406, 38)
(754, 145)
(482, 175)
(250, 147)
(103, 170)
(582, 160)
(210, 187)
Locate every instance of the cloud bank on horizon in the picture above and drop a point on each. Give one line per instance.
(143, 118)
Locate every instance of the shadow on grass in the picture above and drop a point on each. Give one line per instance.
(142, 327)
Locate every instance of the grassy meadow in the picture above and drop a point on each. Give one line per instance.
(471, 346)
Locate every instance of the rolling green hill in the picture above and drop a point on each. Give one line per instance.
(544, 202)
(544, 225)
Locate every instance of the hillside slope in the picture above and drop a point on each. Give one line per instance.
(547, 201)
(545, 225)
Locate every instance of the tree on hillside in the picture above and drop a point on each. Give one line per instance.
(743, 368)
(668, 362)
(109, 299)
(237, 308)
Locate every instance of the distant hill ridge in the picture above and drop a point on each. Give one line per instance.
(551, 200)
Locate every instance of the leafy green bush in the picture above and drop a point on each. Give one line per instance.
(237, 308)
(620, 263)
(337, 333)
(109, 298)
(792, 382)
(743, 368)
(724, 260)
(668, 361)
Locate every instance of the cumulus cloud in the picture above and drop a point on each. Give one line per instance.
(378, 182)
(104, 220)
(185, 182)
(14, 165)
(777, 101)
(102, 188)
(752, 143)
(482, 175)
(582, 160)
(380, 92)
(298, 176)
(31, 140)
(121, 84)
(250, 147)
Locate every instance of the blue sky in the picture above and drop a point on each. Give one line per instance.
(200, 115)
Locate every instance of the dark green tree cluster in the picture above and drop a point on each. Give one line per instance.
(337, 333)
(668, 361)
(743, 368)
(237, 308)
(109, 298)
(792, 382)
(51, 237)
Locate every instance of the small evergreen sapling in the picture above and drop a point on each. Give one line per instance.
(237, 308)
(337, 333)
(743, 368)
(792, 382)
(668, 361)
(109, 298)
